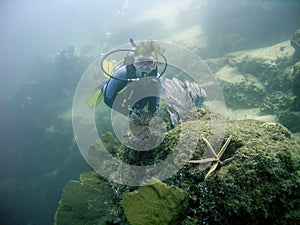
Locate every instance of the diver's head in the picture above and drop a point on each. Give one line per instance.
(145, 58)
(144, 65)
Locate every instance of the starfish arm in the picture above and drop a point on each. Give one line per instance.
(224, 147)
(210, 147)
(203, 160)
(212, 169)
(227, 161)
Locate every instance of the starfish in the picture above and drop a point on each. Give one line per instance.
(217, 156)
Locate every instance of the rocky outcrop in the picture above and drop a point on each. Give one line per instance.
(257, 182)
(258, 185)
(261, 84)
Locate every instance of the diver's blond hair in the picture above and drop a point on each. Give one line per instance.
(148, 48)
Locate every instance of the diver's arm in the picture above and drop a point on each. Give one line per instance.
(114, 86)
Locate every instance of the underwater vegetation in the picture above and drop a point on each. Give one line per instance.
(155, 204)
(258, 185)
(86, 202)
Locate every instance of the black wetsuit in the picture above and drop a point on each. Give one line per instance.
(125, 96)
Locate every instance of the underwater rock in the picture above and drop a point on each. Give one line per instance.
(277, 103)
(259, 79)
(295, 42)
(262, 60)
(240, 90)
(258, 185)
(296, 80)
(256, 182)
(155, 204)
(285, 103)
(86, 202)
(290, 120)
(267, 64)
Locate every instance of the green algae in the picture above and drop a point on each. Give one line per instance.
(155, 204)
(85, 202)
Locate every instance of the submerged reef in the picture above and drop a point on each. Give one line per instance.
(262, 83)
(255, 75)
(257, 183)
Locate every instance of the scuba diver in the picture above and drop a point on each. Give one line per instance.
(135, 85)
(66, 61)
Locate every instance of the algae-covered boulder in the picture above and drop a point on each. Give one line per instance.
(263, 61)
(248, 77)
(86, 202)
(155, 204)
(260, 83)
(277, 103)
(258, 185)
(291, 120)
(257, 182)
(240, 90)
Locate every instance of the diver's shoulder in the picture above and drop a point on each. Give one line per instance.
(122, 69)
(120, 72)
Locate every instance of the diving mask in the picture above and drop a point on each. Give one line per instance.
(144, 63)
